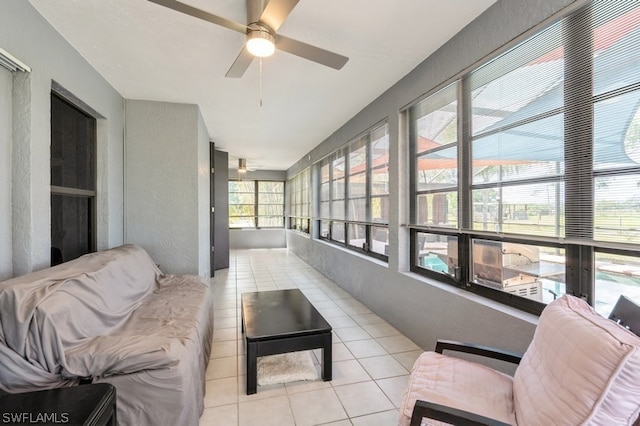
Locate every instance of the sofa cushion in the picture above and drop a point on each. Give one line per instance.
(580, 368)
(460, 384)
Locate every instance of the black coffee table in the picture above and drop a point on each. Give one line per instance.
(280, 321)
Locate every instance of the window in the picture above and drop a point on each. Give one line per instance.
(300, 201)
(353, 193)
(526, 170)
(256, 204)
(73, 181)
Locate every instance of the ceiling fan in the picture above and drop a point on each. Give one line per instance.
(261, 34)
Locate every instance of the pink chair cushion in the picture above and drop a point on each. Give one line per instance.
(580, 369)
(458, 383)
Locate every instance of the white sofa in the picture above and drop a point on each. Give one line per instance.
(112, 317)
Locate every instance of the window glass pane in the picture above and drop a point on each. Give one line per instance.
(73, 140)
(524, 82)
(324, 228)
(358, 209)
(273, 187)
(437, 169)
(324, 191)
(358, 185)
(380, 161)
(617, 208)
(435, 119)
(437, 253)
(532, 150)
(616, 275)
(271, 210)
(242, 210)
(536, 209)
(439, 209)
(324, 209)
(380, 209)
(357, 235)
(242, 186)
(337, 231)
(380, 181)
(337, 209)
(241, 198)
(271, 198)
(357, 158)
(71, 226)
(617, 132)
(533, 272)
(380, 240)
(616, 41)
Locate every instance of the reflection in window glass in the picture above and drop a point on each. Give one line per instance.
(533, 272)
(357, 235)
(616, 275)
(337, 231)
(380, 240)
(437, 253)
(439, 208)
(324, 228)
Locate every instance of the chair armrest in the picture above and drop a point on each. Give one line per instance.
(486, 351)
(450, 415)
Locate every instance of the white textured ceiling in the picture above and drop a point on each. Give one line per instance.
(149, 52)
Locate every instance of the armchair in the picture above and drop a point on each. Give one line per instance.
(580, 368)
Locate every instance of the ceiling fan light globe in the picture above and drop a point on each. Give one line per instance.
(260, 43)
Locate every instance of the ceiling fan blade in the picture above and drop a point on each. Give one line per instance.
(240, 65)
(276, 12)
(201, 14)
(310, 52)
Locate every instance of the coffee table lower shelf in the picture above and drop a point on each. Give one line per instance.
(284, 345)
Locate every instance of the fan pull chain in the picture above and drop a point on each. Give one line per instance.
(260, 87)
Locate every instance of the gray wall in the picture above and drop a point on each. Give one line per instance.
(167, 185)
(6, 246)
(25, 34)
(423, 309)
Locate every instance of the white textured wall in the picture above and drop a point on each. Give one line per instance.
(423, 309)
(28, 36)
(164, 193)
(257, 238)
(6, 249)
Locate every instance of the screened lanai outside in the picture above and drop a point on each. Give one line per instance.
(552, 139)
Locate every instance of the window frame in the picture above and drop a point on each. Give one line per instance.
(578, 106)
(256, 204)
(338, 225)
(299, 202)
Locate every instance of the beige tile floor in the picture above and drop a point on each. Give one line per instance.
(371, 359)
